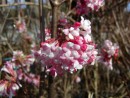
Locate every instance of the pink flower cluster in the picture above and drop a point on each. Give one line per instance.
(9, 84)
(21, 26)
(29, 78)
(8, 88)
(15, 70)
(94, 4)
(25, 60)
(108, 51)
(77, 51)
(84, 6)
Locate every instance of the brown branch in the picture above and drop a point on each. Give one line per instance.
(62, 2)
(105, 12)
(42, 39)
(55, 6)
(4, 22)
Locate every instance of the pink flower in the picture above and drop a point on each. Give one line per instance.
(77, 25)
(85, 6)
(77, 79)
(8, 88)
(95, 4)
(25, 60)
(71, 33)
(9, 68)
(48, 34)
(32, 78)
(52, 71)
(83, 47)
(108, 51)
(21, 26)
(85, 25)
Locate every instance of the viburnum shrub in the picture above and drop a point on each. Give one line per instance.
(73, 49)
(76, 51)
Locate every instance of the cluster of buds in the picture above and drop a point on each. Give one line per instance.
(108, 51)
(20, 25)
(8, 88)
(75, 52)
(84, 6)
(15, 70)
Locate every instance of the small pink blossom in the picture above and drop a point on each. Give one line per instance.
(21, 26)
(77, 79)
(24, 59)
(8, 88)
(108, 51)
(95, 4)
(9, 68)
(86, 6)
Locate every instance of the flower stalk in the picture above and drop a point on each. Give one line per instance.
(42, 39)
(96, 79)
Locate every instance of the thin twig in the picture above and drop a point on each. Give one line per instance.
(4, 22)
(42, 39)
(10, 47)
(62, 2)
(105, 12)
(96, 80)
(55, 6)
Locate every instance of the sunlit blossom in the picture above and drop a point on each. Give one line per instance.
(78, 50)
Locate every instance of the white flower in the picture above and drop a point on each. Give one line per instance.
(88, 38)
(51, 55)
(85, 24)
(77, 47)
(70, 36)
(66, 31)
(77, 65)
(67, 54)
(75, 32)
(70, 45)
(75, 54)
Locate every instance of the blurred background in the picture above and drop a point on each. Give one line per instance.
(20, 29)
